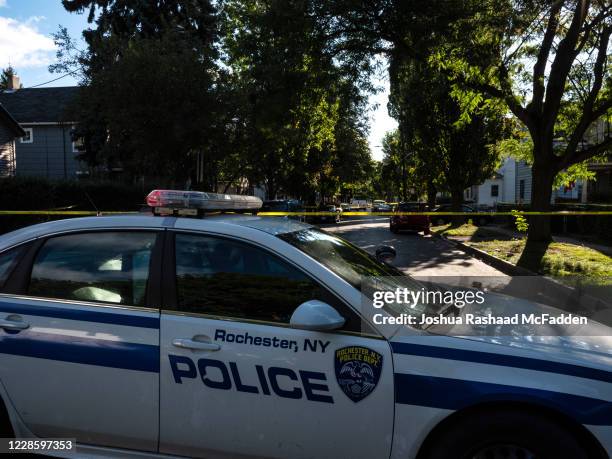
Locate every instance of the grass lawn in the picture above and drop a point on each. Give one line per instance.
(466, 230)
(561, 259)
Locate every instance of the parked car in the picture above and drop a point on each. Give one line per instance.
(380, 206)
(360, 204)
(284, 205)
(399, 223)
(335, 217)
(439, 220)
(345, 207)
(376, 203)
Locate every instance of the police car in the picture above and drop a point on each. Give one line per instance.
(242, 336)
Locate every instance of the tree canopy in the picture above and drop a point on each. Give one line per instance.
(250, 88)
(554, 75)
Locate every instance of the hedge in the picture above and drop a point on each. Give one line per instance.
(33, 193)
(599, 226)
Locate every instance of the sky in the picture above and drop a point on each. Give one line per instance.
(25, 42)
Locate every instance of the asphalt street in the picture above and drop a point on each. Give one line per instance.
(425, 257)
(417, 254)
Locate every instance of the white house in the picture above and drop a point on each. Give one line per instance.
(511, 183)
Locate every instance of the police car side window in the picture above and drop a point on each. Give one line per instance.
(110, 267)
(232, 279)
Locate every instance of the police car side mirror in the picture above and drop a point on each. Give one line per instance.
(316, 315)
(386, 253)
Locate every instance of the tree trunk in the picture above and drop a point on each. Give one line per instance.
(404, 181)
(539, 232)
(271, 190)
(456, 201)
(431, 194)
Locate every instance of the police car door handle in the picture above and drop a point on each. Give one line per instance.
(197, 345)
(13, 325)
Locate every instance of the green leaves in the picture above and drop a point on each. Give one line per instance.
(301, 106)
(520, 221)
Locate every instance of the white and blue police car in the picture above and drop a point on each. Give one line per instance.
(237, 336)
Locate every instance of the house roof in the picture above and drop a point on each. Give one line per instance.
(39, 105)
(8, 120)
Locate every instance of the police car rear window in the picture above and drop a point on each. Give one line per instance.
(108, 267)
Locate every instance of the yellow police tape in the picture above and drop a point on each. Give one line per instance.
(320, 214)
(61, 212)
(391, 214)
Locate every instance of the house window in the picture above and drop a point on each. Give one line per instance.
(494, 190)
(522, 189)
(28, 137)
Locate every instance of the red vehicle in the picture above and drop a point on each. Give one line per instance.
(398, 223)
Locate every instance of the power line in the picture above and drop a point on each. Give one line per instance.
(51, 81)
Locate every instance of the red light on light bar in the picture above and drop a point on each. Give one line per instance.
(153, 198)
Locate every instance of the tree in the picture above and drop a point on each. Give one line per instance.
(419, 146)
(392, 182)
(148, 71)
(554, 75)
(303, 111)
(453, 145)
(6, 77)
(408, 33)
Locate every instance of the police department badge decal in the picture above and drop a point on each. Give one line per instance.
(357, 371)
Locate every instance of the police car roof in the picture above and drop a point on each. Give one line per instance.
(271, 225)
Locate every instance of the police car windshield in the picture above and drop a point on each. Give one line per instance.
(346, 260)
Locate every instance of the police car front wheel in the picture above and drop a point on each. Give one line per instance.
(504, 435)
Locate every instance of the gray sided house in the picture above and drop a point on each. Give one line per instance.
(9, 131)
(46, 147)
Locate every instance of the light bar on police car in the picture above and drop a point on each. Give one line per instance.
(161, 200)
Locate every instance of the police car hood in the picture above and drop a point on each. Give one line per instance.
(587, 342)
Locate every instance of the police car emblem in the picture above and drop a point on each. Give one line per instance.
(357, 371)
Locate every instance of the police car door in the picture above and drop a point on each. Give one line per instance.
(78, 344)
(236, 380)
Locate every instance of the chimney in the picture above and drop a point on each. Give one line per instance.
(14, 83)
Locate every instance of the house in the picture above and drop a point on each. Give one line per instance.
(45, 147)
(511, 183)
(514, 178)
(488, 193)
(9, 131)
(505, 185)
(600, 189)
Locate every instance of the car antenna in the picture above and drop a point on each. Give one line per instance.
(92, 203)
